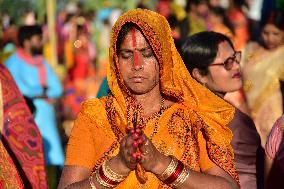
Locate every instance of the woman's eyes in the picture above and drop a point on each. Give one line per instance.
(147, 53)
(230, 60)
(127, 55)
(272, 33)
(276, 34)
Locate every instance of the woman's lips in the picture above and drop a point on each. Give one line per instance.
(237, 75)
(137, 79)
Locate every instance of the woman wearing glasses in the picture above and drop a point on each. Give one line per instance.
(212, 60)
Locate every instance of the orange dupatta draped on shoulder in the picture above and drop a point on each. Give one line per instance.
(21, 142)
(9, 176)
(175, 132)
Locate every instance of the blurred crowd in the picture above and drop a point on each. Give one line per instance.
(55, 93)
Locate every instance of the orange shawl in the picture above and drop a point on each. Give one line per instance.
(101, 123)
(9, 176)
(20, 136)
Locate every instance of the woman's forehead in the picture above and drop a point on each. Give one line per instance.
(134, 38)
(271, 28)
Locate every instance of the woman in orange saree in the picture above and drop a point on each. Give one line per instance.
(159, 128)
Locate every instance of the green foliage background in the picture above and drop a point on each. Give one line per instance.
(16, 8)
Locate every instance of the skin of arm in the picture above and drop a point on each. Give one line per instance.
(214, 178)
(74, 177)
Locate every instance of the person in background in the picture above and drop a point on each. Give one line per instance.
(219, 22)
(22, 162)
(40, 85)
(159, 128)
(274, 149)
(212, 60)
(263, 74)
(254, 18)
(8, 41)
(197, 22)
(239, 22)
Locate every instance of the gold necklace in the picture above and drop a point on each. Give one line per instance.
(144, 121)
(157, 116)
(154, 115)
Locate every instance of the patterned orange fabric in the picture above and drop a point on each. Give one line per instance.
(178, 131)
(20, 134)
(9, 176)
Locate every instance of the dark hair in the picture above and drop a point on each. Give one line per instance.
(274, 17)
(26, 32)
(239, 4)
(200, 50)
(173, 21)
(221, 12)
(123, 32)
(193, 2)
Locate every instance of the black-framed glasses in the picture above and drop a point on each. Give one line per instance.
(229, 62)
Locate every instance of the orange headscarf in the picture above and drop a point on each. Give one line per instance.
(175, 131)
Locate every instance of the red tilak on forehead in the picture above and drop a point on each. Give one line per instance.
(133, 32)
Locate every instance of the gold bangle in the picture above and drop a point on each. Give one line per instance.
(111, 174)
(169, 170)
(182, 178)
(91, 181)
(101, 181)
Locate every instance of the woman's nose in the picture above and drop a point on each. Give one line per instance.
(270, 38)
(237, 65)
(137, 61)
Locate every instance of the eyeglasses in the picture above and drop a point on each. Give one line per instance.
(229, 62)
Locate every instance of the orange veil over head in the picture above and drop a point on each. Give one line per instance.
(175, 131)
(175, 80)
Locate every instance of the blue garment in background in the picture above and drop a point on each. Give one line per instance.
(104, 89)
(27, 79)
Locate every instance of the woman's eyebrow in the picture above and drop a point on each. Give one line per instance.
(141, 49)
(144, 49)
(125, 50)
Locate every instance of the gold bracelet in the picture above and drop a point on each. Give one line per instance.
(91, 181)
(182, 178)
(169, 170)
(101, 181)
(108, 172)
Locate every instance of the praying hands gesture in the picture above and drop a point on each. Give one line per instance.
(136, 148)
(135, 68)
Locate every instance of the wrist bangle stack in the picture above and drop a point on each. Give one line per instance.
(91, 181)
(182, 178)
(107, 177)
(175, 174)
(169, 170)
(111, 174)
